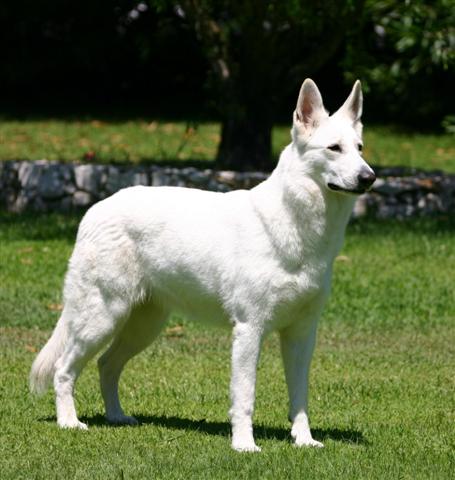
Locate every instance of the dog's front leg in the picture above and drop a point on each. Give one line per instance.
(297, 345)
(245, 355)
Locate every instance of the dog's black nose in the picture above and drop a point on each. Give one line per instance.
(366, 178)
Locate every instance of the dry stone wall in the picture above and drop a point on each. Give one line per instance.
(49, 186)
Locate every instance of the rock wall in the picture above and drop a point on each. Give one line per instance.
(49, 186)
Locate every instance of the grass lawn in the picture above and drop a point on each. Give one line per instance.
(382, 382)
(141, 141)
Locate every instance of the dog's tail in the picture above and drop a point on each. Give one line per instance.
(43, 367)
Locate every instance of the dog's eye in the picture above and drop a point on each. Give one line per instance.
(334, 148)
(360, 147)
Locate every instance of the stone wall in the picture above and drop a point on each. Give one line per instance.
(49, 186)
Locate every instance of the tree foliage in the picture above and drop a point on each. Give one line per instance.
(405, 53)
(258, 52)
(245, 59)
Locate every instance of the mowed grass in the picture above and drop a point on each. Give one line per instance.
(147, 141)
(135, 141)
(382, 383)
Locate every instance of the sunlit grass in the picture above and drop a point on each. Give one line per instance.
(141, 141)
(381, 385)
(105, 142)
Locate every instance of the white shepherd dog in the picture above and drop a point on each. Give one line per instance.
(259, 260)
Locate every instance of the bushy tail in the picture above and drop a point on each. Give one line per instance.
(43, 367)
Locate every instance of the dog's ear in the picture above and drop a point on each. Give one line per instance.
(310, 109)
(352, 107)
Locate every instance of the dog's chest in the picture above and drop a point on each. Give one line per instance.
(302, 284)
(295, 299)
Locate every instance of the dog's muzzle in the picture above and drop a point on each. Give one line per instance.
(365, 180)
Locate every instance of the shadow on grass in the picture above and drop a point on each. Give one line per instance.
(224, 429)
(432, 226)
(38, 226)
(146, 161)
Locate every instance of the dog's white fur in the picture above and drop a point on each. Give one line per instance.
(260, 260)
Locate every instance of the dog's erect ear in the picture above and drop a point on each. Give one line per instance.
(352, 107)
(310, 109)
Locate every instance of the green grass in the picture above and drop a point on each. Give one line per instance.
(382, 384)
(135, 141)
(140, 141)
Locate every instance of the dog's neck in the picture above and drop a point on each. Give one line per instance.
(303, 217)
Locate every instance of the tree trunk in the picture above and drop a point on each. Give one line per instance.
(246, 142)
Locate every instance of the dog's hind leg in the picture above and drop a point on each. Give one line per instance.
(142, 327)
(89, 328)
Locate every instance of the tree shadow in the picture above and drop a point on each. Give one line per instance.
(39, 225)
(434, 225)
(264, 432)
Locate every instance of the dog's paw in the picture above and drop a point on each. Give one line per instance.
(74, 424)
(246, 447)
(302, 437)
(308, 442)
(122, 420)
(244, 443)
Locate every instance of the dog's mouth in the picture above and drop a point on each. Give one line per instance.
(355, 191)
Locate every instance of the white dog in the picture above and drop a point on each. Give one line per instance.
(259, 260)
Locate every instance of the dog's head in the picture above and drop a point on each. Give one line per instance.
(330, 147)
